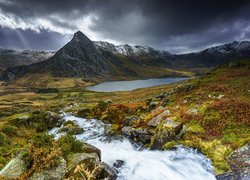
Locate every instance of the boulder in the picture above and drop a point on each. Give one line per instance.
(88, 148)
(240, 158)
(152, 105)
(88, 159)
(104, 171)
(237, 175)
(157, 111)
(15, 168)
(55, 173)
(158, 119)
(139, 135)
(166, 132)
(118, 164)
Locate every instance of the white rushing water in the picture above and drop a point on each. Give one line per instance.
(144, 164)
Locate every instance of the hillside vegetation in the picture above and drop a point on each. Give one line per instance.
(212, 112)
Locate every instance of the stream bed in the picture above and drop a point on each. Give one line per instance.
(140, 163)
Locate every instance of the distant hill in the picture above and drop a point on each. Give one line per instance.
(98, 60)
(11, 58)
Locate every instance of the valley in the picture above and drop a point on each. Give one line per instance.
(207, 114)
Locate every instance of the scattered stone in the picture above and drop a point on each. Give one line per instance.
(185, 101)
(152, 105)
(118, 164)
(157, 111)
(108, 101)
(193, 111)
(158, 119)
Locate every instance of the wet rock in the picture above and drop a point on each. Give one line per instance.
(15, 168)
(118, 164)
(158, 119)
(88, 148)
(166, 132)
(237, 175)
(56, 173)
(71, 128)
(140, 135)
(130, 120)
(240, 158)
(104, 171)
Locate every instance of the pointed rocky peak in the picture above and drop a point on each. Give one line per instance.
(80, 37)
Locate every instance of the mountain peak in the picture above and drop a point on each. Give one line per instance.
(79, 36)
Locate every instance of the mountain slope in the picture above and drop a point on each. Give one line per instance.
(11, 58)
(99, 61)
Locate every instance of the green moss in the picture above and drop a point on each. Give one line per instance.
(9, 130)
(194, 127)
(70, 145)
(214, 150)
(169, 145)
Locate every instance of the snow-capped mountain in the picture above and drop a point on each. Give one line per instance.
(84, 58)
(129, 50)
(10, 58)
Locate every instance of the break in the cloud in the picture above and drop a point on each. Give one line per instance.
(176, 26)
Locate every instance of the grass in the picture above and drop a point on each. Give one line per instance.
(221, 125)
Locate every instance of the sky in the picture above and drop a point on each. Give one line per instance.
(177, 26)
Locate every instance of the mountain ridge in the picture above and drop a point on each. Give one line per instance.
(88, 59)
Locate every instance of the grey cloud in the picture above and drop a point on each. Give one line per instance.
(172, 25)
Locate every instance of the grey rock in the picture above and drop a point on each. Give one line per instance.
(15, 168)
(237, 175)
(141, 135)
(55, 173)
(240, 158)
(158, 119)
(88, 159)
(130, 120)
(166, 132)
(105, 172)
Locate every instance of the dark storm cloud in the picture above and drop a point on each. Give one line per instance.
(173, 25)
(28, 39)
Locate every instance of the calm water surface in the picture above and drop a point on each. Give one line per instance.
(131, 85)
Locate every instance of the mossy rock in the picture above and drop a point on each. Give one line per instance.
(169, 145)
(75, 131)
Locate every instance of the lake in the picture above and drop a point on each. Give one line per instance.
(131, 85)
